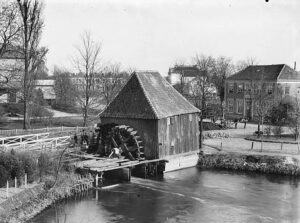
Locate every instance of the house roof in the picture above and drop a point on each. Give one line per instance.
(258, 72)
(147, 95)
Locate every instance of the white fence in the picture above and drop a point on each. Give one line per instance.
(15, 132)
(33, 142)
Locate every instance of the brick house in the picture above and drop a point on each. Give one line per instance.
(278, 81)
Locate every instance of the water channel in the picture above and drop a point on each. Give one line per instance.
(189, 195)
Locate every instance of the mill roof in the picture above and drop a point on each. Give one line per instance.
(147, 95)
(272, 72)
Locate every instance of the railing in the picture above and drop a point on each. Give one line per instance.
(15, 132)
(36, 142)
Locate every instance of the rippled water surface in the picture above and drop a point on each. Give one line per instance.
(189, 195)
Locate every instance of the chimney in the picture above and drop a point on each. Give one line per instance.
(295, 65)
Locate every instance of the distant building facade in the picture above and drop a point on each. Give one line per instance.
(187, 80)
(242, 89)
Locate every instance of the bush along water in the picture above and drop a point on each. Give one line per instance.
(256, 163)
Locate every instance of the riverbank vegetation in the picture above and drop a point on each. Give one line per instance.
(257, 163)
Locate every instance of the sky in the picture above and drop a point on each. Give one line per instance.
(154, 34)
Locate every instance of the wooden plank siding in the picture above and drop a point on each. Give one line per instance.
(147, 130)
(179, 135)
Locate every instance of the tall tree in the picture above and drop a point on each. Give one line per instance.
(202, 93)
(10, 26)
(32, 24)
(64, 88)
(222, 69)
(87, 64)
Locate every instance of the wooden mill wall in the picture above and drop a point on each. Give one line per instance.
(178, 134)
(147, 130)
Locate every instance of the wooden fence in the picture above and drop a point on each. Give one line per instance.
(15, 132)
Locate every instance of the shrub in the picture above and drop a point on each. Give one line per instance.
(277, 130)
(12, 165)
(29, 165)
(4, 176)
(43, 164)
(268, 130)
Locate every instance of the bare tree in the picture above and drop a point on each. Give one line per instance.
(112, 81)
(202, 93)
(263, 101)
(32, 24)
(87, 63)
(242, 64)
(10, 26)
(222, 69)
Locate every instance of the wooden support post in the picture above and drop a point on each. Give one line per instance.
(221, 146)
(252, 144)
(7, 188)
(97, 180)
(97, 195)
(281, 146)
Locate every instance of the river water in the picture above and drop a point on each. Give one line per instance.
(189, 195)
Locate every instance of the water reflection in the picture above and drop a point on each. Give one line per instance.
(189, 195)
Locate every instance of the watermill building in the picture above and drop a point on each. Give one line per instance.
(166, 122)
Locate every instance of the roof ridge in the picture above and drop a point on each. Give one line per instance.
(116, 94)
(180, 95)
(280, 72)
(146, 96)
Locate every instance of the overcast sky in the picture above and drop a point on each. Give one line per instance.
(152, 34)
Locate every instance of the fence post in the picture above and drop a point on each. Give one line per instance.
(16, 184)
(221, 146)
(252, 145)
(7, 187)
(281, 146)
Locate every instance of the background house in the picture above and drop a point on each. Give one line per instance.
(243, 88)
(187, 80)
(165, 120)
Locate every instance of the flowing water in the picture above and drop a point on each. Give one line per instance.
(189, 195)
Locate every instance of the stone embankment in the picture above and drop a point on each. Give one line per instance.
(28, 203)
(282, 165)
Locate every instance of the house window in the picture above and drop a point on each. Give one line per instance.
(172, 120)
(230, 87)
(230, 105)
(240, 88)
(247, 87)
(269, 89)
(240, 106)
(287, 90)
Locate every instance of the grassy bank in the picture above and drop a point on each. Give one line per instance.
(30, 202)
(283, 165)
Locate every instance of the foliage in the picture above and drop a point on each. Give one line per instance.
(65, 90)
(13, 108)
(4, 176)
(268, 130)
(279, 113)
(13, 166)
(38, 112)
(277, 130)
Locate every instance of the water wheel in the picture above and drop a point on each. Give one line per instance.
(120, 136)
